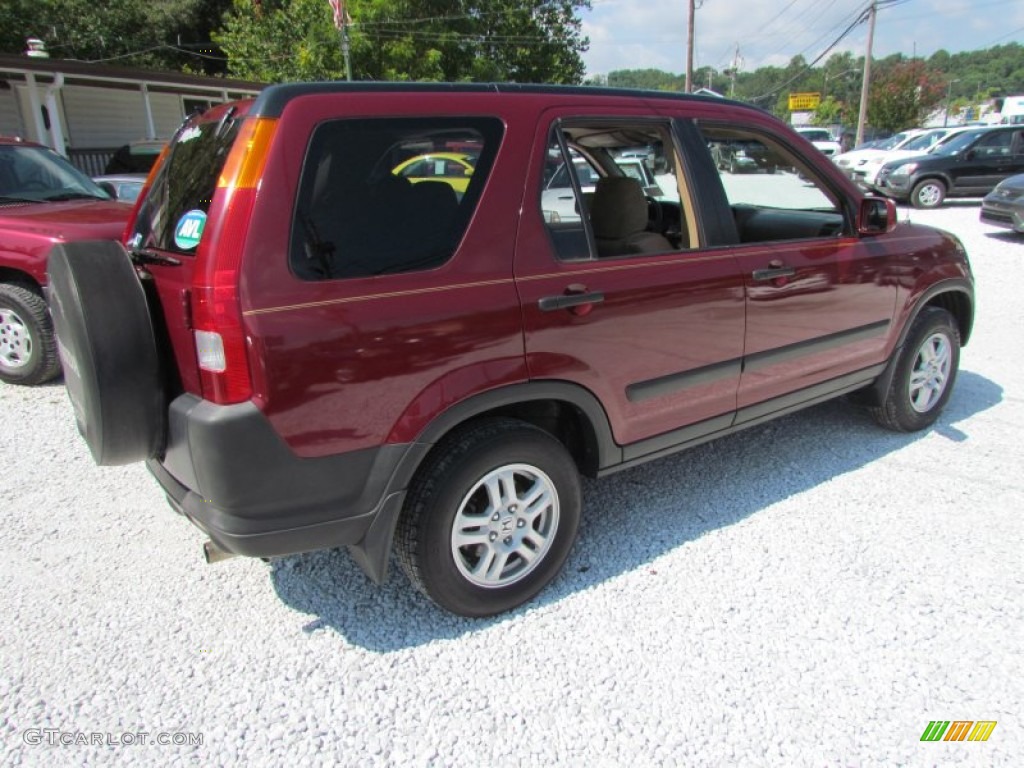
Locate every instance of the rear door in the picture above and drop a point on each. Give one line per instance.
(655, 334)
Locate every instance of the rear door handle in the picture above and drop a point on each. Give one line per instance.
(773, 273)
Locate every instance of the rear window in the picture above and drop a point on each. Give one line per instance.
(382, 196)
(184, 186)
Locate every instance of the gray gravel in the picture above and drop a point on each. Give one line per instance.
(811, 592)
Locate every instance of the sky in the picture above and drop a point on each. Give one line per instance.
(640, 34)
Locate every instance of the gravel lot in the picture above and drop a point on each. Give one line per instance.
(811, 592)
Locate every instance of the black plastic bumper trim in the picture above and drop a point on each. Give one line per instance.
(231, 474)
(769, 357)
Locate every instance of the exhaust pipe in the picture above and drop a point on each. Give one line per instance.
(215, 554)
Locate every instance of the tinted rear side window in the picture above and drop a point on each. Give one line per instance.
(185, 185)
(384, 196)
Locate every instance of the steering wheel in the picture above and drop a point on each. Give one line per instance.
(655, 215)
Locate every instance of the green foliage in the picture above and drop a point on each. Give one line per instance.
(125, 32)
(903, 93)
(974, 77)
(444, 40)
(829, 112)
(648, 79)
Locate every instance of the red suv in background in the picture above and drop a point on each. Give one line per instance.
(310, 350)
(43, 200)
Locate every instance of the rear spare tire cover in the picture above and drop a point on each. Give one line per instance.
(108, 348)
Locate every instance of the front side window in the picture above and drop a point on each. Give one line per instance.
(996, 144)
(382, 196)
(773, 193)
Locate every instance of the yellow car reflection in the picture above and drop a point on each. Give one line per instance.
(453, 168)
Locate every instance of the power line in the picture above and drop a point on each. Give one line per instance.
(858, 21)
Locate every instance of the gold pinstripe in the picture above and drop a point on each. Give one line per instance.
(622, 266)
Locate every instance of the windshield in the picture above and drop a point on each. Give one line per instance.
(922, 142)
(957, 143)
(35, 174)
(183, 187)
(819, 134)
(893, 141)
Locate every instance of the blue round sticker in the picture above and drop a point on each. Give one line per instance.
(189, 229)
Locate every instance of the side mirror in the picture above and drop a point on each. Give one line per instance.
(970, 154)
(877, 216)
(109, 188)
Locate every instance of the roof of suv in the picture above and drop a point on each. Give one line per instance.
(272, 100)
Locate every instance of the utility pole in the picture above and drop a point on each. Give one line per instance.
(865, 85)
(689, 49)
(735, 71)
(341, 22)
(345, 46)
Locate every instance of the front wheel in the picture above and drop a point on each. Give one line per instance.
(924, 376)
(28, 349)
(928, 194)
(490, 518)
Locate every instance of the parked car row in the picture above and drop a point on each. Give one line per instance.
(925, 167)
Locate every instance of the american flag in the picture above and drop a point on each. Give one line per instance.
(340, 14)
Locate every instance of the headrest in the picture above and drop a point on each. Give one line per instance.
(619, 208)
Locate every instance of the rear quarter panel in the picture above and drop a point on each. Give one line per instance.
(345, 364)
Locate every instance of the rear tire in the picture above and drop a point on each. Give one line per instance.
(109, 351)
(28, 348)
(490, 517)
(925, 374)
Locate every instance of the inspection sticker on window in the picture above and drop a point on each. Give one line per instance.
(189, 229)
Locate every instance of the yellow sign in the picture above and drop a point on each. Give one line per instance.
(804, 102)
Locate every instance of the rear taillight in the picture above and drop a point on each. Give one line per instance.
(217, 312)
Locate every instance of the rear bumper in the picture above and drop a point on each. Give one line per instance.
(228, 471)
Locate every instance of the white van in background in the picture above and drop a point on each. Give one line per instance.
(1013, 110)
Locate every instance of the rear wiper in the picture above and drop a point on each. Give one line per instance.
(225, 120)
(141, 257)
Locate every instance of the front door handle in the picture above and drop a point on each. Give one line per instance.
(576, 299)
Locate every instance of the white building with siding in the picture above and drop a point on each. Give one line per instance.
(86, 111)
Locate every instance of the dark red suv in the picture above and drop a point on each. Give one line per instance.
(310, 349)
(43, 200)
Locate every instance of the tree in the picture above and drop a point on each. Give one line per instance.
(903, 94)
(649, 79)
(167, 34)
(450, 40)
(829, 112)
